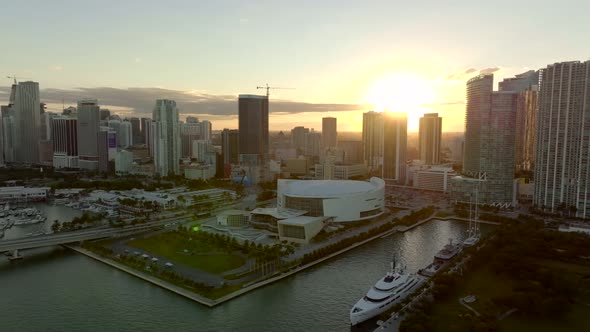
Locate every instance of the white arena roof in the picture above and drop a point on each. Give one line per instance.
(329, 188)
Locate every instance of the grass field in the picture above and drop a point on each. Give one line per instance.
(449, 315)
(201, 255)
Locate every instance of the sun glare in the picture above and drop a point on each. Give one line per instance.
(402, 92)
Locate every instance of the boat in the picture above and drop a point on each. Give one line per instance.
(449, 251)
(432, 269)
(389, 290)
(473, 233)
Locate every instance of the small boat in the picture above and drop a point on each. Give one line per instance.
(449, 251)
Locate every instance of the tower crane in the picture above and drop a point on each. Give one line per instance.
(268, 88)
(14, 78)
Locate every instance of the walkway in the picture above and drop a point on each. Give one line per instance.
(469, 307)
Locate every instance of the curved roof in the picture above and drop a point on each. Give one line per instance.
(328, 188)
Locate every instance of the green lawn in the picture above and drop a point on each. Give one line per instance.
(482, 283)
(201, 255)
(574, 321)
(450, 315)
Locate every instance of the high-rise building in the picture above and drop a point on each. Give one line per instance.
(313, 143)
(329, 133)
(230, 143)
(1, 142)
(27, 117)
(526, 85)
(136, 131)
(353, 151)
(88, 128)
(562, 161)
(193, 130)
(298, 138)
(126, 134)
(206, 129)
(430, 133)
(103, 141)
(488, 159)
(373, 140)
(166, 138)
(8, 133)
(146, 127)
(64, 133)
(253, 135)
(395, 141)
(201, 149)
(104, 114)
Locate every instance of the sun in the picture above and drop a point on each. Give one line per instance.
(401, 92)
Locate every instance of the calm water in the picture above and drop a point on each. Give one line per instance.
(53, 289)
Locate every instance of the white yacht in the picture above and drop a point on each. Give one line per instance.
(389, 290)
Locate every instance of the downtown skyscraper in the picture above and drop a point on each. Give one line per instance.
(527, 87)
(230, 146)
(373, 140)
(329, 133)
(488, 160)
(166, 138)
(253, 135)
(87, 131)
(430, 133)
(27, 122)
(562, 164)
(395, 138)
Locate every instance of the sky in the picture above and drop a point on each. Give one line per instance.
(341, 57)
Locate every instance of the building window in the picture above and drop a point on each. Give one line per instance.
(296, 232)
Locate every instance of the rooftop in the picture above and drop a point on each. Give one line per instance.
(328, 188)
(301, 220)
(279, 213)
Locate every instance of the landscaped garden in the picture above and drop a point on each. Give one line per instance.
(191, 251)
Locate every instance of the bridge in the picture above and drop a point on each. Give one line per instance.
(68, 237)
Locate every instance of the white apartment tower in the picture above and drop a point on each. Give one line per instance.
(562, 161)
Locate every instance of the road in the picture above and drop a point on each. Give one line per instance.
(76, 236)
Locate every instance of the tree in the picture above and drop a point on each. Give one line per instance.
(55, 227)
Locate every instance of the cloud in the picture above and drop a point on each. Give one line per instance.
(489, 70)
(140, 101)
(56, 68)
(470, 70)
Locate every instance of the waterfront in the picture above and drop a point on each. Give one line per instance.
(52, 212)
(58, 290)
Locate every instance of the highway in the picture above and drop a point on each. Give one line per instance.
(76, 236)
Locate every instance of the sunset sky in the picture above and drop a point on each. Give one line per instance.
(342, 57)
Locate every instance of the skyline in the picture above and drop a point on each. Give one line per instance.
(347, 60)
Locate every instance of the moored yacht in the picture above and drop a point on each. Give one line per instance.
(389, 290)
(449, 251)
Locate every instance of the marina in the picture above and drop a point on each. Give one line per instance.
(336, 284)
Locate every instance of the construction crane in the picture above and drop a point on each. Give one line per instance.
(14, 78)
(272, 87)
